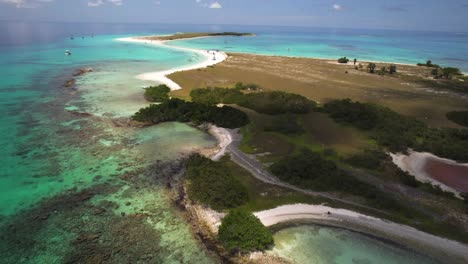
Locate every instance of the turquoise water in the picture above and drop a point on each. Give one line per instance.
(449, 49)
(51, 153)
(318, 244)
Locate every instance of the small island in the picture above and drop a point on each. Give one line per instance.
(191, 35)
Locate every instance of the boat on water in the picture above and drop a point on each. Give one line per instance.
(67, 52)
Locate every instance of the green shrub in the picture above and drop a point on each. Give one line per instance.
(157, 93)
(449, 72)
(371, 67)
(242, 231)
(285, 124)
(343, 60)
(369, 159)
(459, 117)
(212, 183)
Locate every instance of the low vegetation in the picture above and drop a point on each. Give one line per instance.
(285, 124)
(183, 111)
(197, 35)
(241, 231)
(397, 132)
(158, 93)
(429, 64)
(271, 103)
(388, 128)
(446, 73)
(441, 72)
(248, 86)
(212, 183)
(459, 117)
(369, 159)
(309, 170)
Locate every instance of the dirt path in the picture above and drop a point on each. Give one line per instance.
(257, 169)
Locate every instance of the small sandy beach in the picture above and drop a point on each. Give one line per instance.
(212, 58)
(417, 240)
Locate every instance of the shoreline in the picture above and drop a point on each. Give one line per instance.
(161, 76)
(410, 237)
(415, 164)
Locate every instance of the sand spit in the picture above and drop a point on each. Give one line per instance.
(417, 165)
(212, 58)
(417, 240)
(224, 139)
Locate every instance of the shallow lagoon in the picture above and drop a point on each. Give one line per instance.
(320, 244)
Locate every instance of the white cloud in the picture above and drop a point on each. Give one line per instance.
(96, 3)
(116, 2)
(337, 7)
(215, 5)
(25, 3)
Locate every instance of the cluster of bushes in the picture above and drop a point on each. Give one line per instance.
(446, 73)
(309, 170)
(158, 93)
(391, 69)
(370, 159)
(241, 231)
(212, 183)
(445, 142)
(285, 124)
(388, 128)
(459, 117)
(272, 103)
(429, 64)
(182, 111)
(397, 132)
(249, 86)
(440, 72)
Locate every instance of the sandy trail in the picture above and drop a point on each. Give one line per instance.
(212, 58)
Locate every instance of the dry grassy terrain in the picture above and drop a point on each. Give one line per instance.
(323, 80)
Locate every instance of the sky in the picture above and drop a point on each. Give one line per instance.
(432, 15)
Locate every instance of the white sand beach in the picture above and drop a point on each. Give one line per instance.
(224, 139)
(404, 235)
(401, 234)
(212, 58)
